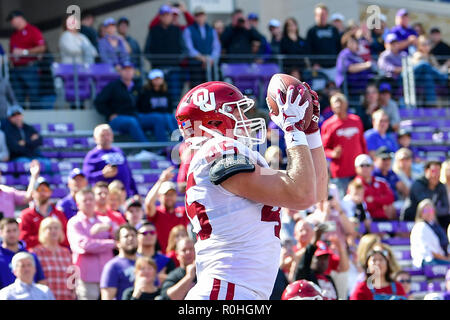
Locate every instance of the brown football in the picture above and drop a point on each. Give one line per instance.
(282, 82)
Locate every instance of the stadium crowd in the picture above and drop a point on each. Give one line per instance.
(104, 241)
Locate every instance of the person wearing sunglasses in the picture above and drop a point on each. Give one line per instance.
(405, 279)
(378, 283)
(148, 247)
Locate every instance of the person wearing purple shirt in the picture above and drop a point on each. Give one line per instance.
(390, 60)
(406, 35)
(377, 136)
(76, 181)
(113, 49)
(108, 163)
(118, 273)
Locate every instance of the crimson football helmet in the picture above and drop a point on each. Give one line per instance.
(302, 290)
(211, 108)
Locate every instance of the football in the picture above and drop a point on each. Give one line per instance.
(280, 81)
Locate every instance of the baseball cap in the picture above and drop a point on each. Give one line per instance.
(165, 9)
(402, 12)
(322, 249)
(13, 110)
(199, 10)
(384, 87)
(337, 16)
(39, 181)
(133, 202)
(167, 186)
(13, 14)
(403, 132)
(383, 17)
(435, 30)
(274, 23)
(76, 172)
(391, 37)
(109, 21)
(127, 64)
(384, 153)
(123, 19)
(253, 16)
(363, 159)
(155, 73)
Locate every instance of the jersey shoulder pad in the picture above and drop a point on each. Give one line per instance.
(228, 166)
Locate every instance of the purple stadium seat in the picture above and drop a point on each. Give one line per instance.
(383, 227)
(419, 286)
(413, 271)
(37, 126)
(72, 154)
(58, 142)
(50, 154)
(143, 188)
(397, 241)
(56, 180)
(61, 127)
(67, 73)
(405, 226)
(7, 167)
(146, 178)
(135, 165)
(102, 74)
(163, 164)
(8, 180)
(403, 255)
(437, 271)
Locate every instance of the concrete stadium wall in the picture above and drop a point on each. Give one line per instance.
(82, 119)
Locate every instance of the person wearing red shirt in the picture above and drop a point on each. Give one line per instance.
(343, 140)
(378, 284)
(176, 10)
(166, 215)
(377, 193)
(40, 208)
(25, 44)
(101, 193)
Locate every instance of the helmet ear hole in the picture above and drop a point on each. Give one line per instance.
(215, 123)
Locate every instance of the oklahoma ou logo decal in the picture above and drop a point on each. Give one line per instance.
(204, 99)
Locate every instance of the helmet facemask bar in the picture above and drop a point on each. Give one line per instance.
(252, 131)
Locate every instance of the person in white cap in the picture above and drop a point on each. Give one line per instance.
(338, 20)
(275, 31)
(166, 215)
(377, 193)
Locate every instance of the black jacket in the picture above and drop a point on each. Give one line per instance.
(164, 41)
(324, 41)
(236, 40)
(14, 135)
(116, 99)
(154, 101)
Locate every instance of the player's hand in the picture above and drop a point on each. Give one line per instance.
(314, 124)
(290, 113)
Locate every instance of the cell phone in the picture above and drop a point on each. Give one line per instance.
(330, 226)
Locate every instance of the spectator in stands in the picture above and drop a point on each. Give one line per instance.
(338, 21)
(76, 181)
(144, 284)
(445, 176)
(166, 215)
(118, 273)
(378, 136)
(429, 243)
(219, 26)
(253, 22)
(134, 213)
(74, 46)
(123, 25)
(389, 105)
(419, 29)
(407, 36)
(377, 44)
(4, 152)
(7, 98)
(429, 187)
(447, 286)
(203, 46)
(404, 138)
(383, 165)
(354, 205)
(175, 234)
(113, 48)
(155, 102)
(402, 167)
(91, 241)
(10, 245)
(292, 44)
(183, 278)
(116, 197)
(101, 193)
(176, 9)
(87, 22)
(343, 140)
(24, 288)
(303, 234)
(404, 278)
(276, 34)
(378, 283)
(164, 45)
(274, 158)
(323, 39)
(238, 36)
(390, 60)
(40, 208)
(108, 163)
(314, 262)
(25, 44)
(56, 259)
(11, 197)
(369, 105)
(377, 193)
(427, 72)
(148, 247)
(22, 139)
(439, 47)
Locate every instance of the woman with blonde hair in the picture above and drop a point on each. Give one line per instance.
(176, 233)
(55, 259)
(144, 284)
(429, 242)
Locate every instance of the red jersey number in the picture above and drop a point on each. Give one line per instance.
(199, 210)
(270, 214)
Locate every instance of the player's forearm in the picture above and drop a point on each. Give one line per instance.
(321, 170)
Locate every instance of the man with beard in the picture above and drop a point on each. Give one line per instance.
(118, 273)
(40, 208)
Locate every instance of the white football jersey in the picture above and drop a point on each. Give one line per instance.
(237, 239)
